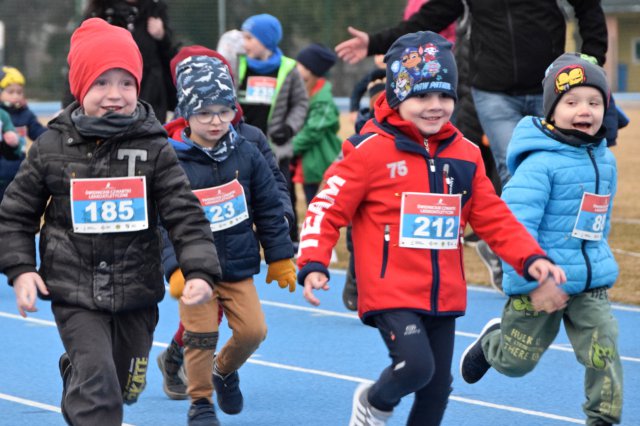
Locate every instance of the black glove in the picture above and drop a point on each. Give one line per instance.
(282, 135)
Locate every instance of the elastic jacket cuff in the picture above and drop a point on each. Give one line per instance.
(529, 261)
(312, 267)
(14, 272)
(203, 276)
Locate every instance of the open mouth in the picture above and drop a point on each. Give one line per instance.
(582, 126)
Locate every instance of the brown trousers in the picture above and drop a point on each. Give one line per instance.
(244, 314)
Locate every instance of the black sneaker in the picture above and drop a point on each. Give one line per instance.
(228, 393)
(350, 293)
(473, 363)
(493, 264)
(64, 365)
(169, 362)
(202, 413)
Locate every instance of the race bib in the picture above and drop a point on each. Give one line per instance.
(592, 217)
(260, 90)
(104, 205)
(430, 221)
(224, 206)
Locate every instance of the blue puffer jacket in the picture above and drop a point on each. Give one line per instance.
(545, 192)
(238, 247)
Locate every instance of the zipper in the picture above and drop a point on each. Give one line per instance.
(385, 250)
(583, 247)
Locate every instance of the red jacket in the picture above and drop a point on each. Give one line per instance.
(367, 192)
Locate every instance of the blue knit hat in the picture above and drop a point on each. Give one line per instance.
(202, 81)
(265, 28)
(419, 63)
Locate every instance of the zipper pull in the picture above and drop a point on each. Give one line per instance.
(425, 141)
(432, 165)
(387, 233)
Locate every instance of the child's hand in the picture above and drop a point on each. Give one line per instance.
(196, 291)
(155, 28)
(11, 138)
(548, 297)
(542, 269)
(283, 271)
(314, 281)
(26, 287)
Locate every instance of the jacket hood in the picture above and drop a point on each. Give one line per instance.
(147, 126)
(175, 127)
(531, 135)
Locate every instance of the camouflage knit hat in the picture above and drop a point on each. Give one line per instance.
(202, 81)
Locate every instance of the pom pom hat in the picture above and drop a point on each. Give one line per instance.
(96, 47)
(571, 70)
(420, 63)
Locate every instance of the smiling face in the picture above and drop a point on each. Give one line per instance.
(581, 108)
(114, 90)
(429, 111)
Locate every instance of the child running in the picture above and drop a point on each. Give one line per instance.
(104, 176)
(563, 182)
(238, 192)
(409, 184)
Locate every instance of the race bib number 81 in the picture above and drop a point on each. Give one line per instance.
(592, 217)
(109, 205)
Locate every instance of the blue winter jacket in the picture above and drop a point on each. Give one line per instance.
(549, 178)
(238, 247)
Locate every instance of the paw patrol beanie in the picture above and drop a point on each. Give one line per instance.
(419, 63)
(571, 70)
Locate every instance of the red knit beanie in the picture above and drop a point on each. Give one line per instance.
(96, 47)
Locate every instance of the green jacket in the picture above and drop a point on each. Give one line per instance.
(317, 143)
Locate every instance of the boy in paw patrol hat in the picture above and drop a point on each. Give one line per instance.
(562, 188)
(409, 183)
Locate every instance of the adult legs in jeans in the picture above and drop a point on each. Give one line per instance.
(499, 113)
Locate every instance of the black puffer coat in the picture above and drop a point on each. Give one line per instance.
(111, 271)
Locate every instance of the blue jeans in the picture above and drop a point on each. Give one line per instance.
(499, 114)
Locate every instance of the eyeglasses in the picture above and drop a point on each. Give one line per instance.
(206, 117)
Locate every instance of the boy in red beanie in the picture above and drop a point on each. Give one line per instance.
(103, 175)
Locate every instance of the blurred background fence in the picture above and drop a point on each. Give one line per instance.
(36, 33)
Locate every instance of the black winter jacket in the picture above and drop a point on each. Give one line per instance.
(110, 271)
(512, 41)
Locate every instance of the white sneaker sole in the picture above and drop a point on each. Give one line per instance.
(484, 330)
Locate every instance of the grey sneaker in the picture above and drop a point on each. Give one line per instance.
(363, 413)
(473, 363)
(170, 362)
(493, 264)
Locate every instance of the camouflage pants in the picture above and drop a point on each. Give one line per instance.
(525, 335)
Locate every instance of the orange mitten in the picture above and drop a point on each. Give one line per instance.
(176, 284)
(283, 271)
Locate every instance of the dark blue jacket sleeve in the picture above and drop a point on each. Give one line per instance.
(255, 136)
(169, 260)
